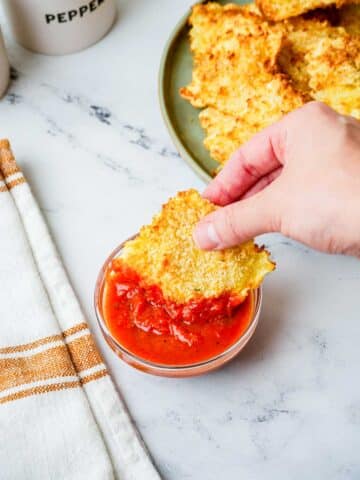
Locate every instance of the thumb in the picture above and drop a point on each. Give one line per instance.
(237, 223)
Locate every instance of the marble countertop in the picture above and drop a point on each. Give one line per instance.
(88, 132)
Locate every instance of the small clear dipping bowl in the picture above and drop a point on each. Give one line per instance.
(146, 366)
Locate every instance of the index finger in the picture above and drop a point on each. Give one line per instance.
(256, 158)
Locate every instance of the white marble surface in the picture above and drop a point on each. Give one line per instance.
(88, 132)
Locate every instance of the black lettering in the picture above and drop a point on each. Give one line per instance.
(61, 17)
(72, 14)
(92, 5)
(100, 2)
(83, 9)
(49, 18)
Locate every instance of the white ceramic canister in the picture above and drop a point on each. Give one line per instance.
(57, 27)
(4, 67)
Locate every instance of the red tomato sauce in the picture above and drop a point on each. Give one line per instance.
(155, 329)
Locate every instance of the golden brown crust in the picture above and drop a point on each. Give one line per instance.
(164, 254)
(249, 72)
(235, 64)
(282, 9)
(334, 69)
(323, 62)
(236, 75)
(224, 133)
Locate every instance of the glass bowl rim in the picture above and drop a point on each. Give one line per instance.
(147, 364)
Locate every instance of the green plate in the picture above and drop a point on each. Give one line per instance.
(180, 117)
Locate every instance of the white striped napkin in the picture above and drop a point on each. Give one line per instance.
(60, 416)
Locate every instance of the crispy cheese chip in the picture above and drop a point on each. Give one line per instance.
(211, 22)
(164, 254)
(302, 35)
(282, 9)
(236, 68)
(323, 62)
(225, 133)
(243, 80)
(236, 75)
(249, 72)
(334, 70)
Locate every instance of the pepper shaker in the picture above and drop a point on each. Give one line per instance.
(57, 27)
(4, 67)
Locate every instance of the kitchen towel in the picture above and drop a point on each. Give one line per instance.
(60, 416)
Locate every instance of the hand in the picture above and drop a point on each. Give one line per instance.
(300, 177)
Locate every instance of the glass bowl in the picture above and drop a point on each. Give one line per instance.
(170, 370)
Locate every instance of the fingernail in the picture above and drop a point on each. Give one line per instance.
(205, 236)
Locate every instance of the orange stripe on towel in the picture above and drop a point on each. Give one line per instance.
(8, 164)
(45, 359)
(84, 353)
(52, 363)
(94, 376)
(27, 392)
(77, 328)
(8, 167)
(30, 346)
(15, 183)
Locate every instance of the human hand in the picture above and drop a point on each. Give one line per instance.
(299, 177)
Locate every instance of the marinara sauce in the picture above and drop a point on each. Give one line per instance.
(155, 329)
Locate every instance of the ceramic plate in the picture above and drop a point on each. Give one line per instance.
(180, 117)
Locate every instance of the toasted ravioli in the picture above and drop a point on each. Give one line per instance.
(282, 9)
(302, 36)
(211, 22)
(165, 254)
(225, 133)
(235, 64)
(350, 18)
(242, 79)
(236, 73)
(323, 63)
(248, 72)
(334, 70)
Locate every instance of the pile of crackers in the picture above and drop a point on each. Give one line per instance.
(254, 63)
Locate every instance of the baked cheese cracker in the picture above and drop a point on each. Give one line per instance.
(249, 72)
(165, 254)
(323, 62)
(302, 36)
(212, 21)
(237, 73)
(225, 133)
(334, 71)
